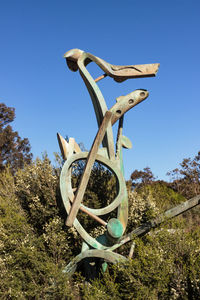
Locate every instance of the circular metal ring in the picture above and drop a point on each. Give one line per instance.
(108, 256)
(67, 193)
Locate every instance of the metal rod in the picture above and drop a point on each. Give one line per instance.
(96, 218)
(100, 77)
(169, 214)
(131, 250)
(88, 168)
(119, 135)
(89, 213)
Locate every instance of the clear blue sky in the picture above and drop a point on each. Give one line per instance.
(49, 98)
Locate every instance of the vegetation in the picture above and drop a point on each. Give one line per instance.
(35, 245)
(185, 180)
(14, 151)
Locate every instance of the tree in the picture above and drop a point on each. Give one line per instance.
(14, 151)
(186, 179)
(143, 177)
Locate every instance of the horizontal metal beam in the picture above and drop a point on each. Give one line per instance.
(169, 214)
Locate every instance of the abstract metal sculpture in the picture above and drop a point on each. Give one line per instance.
(108, 155)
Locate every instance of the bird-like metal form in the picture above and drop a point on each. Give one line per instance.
(108, 155)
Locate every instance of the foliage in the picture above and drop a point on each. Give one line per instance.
(105, 287)
(142, 208)
(186, 179)
(29, 269)
(100, 191)
(165, 266)
(35, 245)
(14, 151)
(36, 189)
(140, 178)
(161, 194)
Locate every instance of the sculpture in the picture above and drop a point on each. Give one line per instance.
(104, 246)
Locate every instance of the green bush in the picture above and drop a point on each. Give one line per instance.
(31, 264)
(36, 189)
(35, 245)
(165, 266)
(163, 196)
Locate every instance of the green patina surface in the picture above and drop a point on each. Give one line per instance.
(115, 228)
(103, 246)
(111, 158)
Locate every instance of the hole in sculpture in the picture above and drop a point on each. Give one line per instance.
(102, 186)
(101, 190)
(130, 101)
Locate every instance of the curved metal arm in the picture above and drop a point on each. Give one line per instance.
(118, 73)
(98, 101)
(106, 118)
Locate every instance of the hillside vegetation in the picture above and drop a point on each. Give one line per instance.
(35, 244)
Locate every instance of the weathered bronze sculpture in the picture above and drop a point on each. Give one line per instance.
(110, 156)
